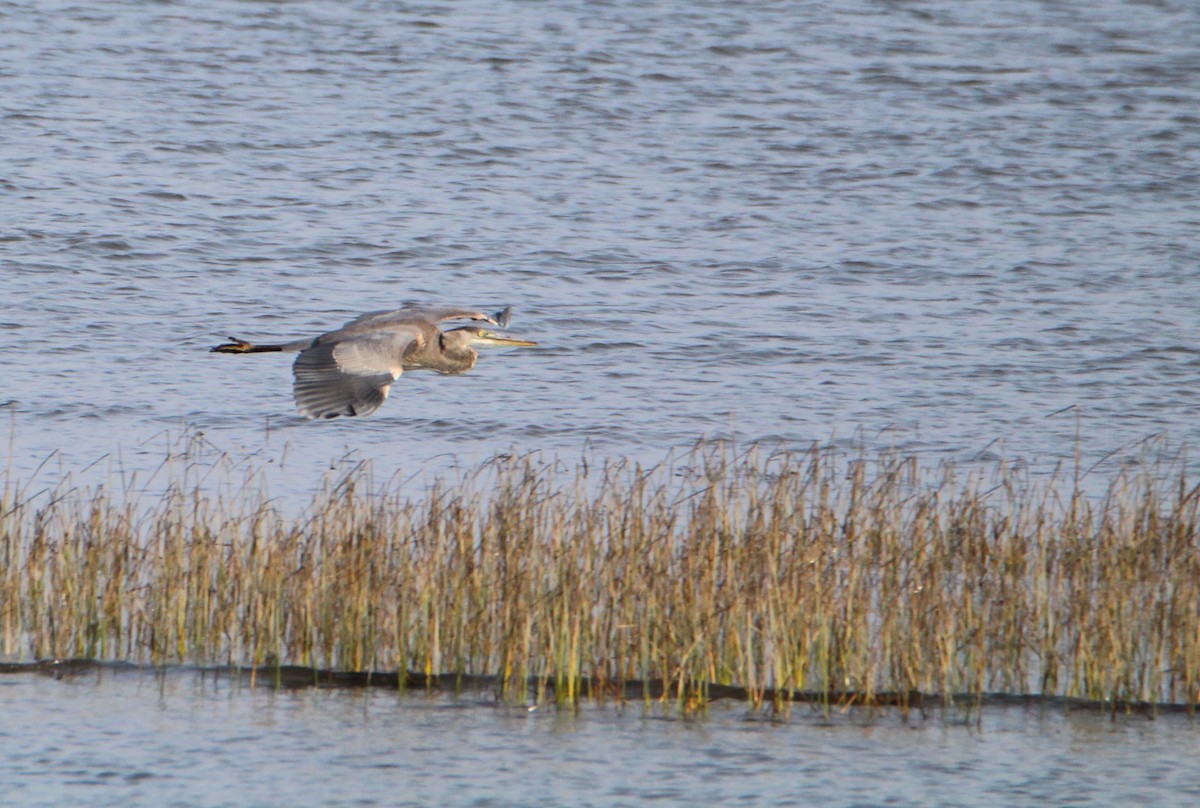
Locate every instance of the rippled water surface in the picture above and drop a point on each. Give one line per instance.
(134, 739)
(933, 223)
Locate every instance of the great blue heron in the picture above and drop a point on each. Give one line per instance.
(350, 371)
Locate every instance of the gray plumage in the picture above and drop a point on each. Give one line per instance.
(350, 371)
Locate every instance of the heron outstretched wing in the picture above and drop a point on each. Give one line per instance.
(351, 376)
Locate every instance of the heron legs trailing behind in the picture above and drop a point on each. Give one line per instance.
(351, 370)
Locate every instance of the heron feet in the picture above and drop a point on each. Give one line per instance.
(234, 345)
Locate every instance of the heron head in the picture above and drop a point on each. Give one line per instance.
(474, 335)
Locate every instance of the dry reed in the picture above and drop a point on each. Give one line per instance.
(780, 575)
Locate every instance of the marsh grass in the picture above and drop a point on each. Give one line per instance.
(784, 576)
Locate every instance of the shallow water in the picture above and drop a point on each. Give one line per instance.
(133, 738)
(926, 225)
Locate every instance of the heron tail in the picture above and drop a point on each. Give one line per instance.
(236, 345)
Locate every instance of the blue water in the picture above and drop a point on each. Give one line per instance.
(924, 225)
(136, 739)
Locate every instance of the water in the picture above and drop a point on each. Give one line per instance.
(925, 225)
(929, 225)
(134, 739)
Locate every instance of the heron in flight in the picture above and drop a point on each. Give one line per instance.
(350, 371)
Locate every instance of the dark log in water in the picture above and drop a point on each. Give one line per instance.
(296, 677)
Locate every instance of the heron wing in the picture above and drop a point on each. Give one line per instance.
(416, 314)
(351, 376)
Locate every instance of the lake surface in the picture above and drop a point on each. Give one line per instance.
(927, 225)
(136, 739)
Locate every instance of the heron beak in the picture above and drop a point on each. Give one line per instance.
(502, 339)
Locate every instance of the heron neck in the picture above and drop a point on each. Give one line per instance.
(456, 358)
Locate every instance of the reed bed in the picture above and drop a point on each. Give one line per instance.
(781, 575)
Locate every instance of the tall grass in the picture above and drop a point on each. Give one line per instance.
(779, 574)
